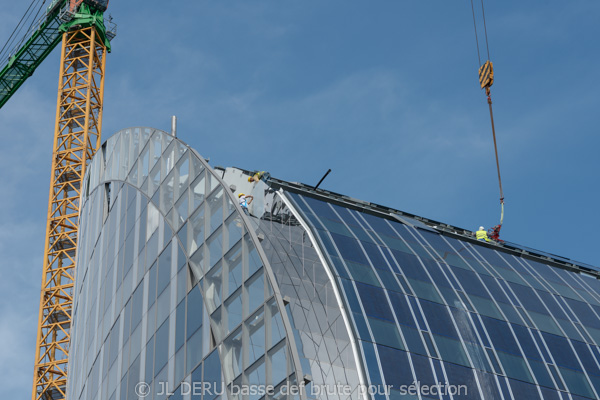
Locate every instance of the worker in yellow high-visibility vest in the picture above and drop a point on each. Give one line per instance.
(259, 176)
(481, 234)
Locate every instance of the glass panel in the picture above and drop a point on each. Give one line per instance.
(167, 232)
(183, 172)
(154, 180)
(166, 194)
(168, 159)
(576, 382)
(374, 302)
(179, 364)
(144, 166)
(198, 191)
(256, 333)
(234, 263)
(150, 360)
(162, 349)
(234, 230)
(110, 144)
(212, 183)
(155, 147)
(194, 350)
(198, 265)
(133, 175)
(278, 365)
(125, 166)
(213, 288)
(164, 268)
(257, 377)
(180, 325)
(196, 230)
(182, 278)
(194, 311)
(256, 292)
(135, 142)
(152, 223)
(166, 139)
(151, 278)
(145, 186)
(451, 350)
(515, 366)
(215, 205)
(180, 150)
(277, 329)
(254, 262)
(163, 304)
(212, 374)
(215, 247)
(233, 305)
(108, 170)
(385, 333)
(216, 318)
(229, 207)
(233, 356)
(197, 164)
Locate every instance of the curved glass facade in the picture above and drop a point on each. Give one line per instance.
(433, 309)
(181, 295)
(171, 286)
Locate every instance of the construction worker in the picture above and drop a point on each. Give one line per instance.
(481, 234)
(261, 175)
(245, 201)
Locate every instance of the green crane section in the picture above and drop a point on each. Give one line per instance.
(23, 63)
(58, 19)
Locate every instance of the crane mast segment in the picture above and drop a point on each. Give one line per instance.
(76, 139)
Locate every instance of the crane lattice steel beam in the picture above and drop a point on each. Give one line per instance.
(23, 63)
(76, 139)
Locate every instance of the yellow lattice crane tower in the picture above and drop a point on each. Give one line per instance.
(85, 42)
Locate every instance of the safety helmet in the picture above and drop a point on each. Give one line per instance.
(250, 179)
(240, 195)
(481, 228)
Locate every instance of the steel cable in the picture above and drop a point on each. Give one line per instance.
(14, 37)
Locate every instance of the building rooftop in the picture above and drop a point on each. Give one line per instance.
(432, 225)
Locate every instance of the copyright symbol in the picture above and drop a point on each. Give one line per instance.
(142, 389)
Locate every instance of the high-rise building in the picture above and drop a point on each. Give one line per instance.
(181, 294)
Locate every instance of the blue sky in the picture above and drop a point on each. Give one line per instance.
(383, 93)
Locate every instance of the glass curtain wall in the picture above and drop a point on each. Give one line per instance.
(170, 285)
(432, 309)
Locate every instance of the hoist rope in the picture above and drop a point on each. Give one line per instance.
(476, 38)
(485, 30)
(496, 152)
(489, 98)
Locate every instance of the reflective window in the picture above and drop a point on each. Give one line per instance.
(233, 356)
(233, 306)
